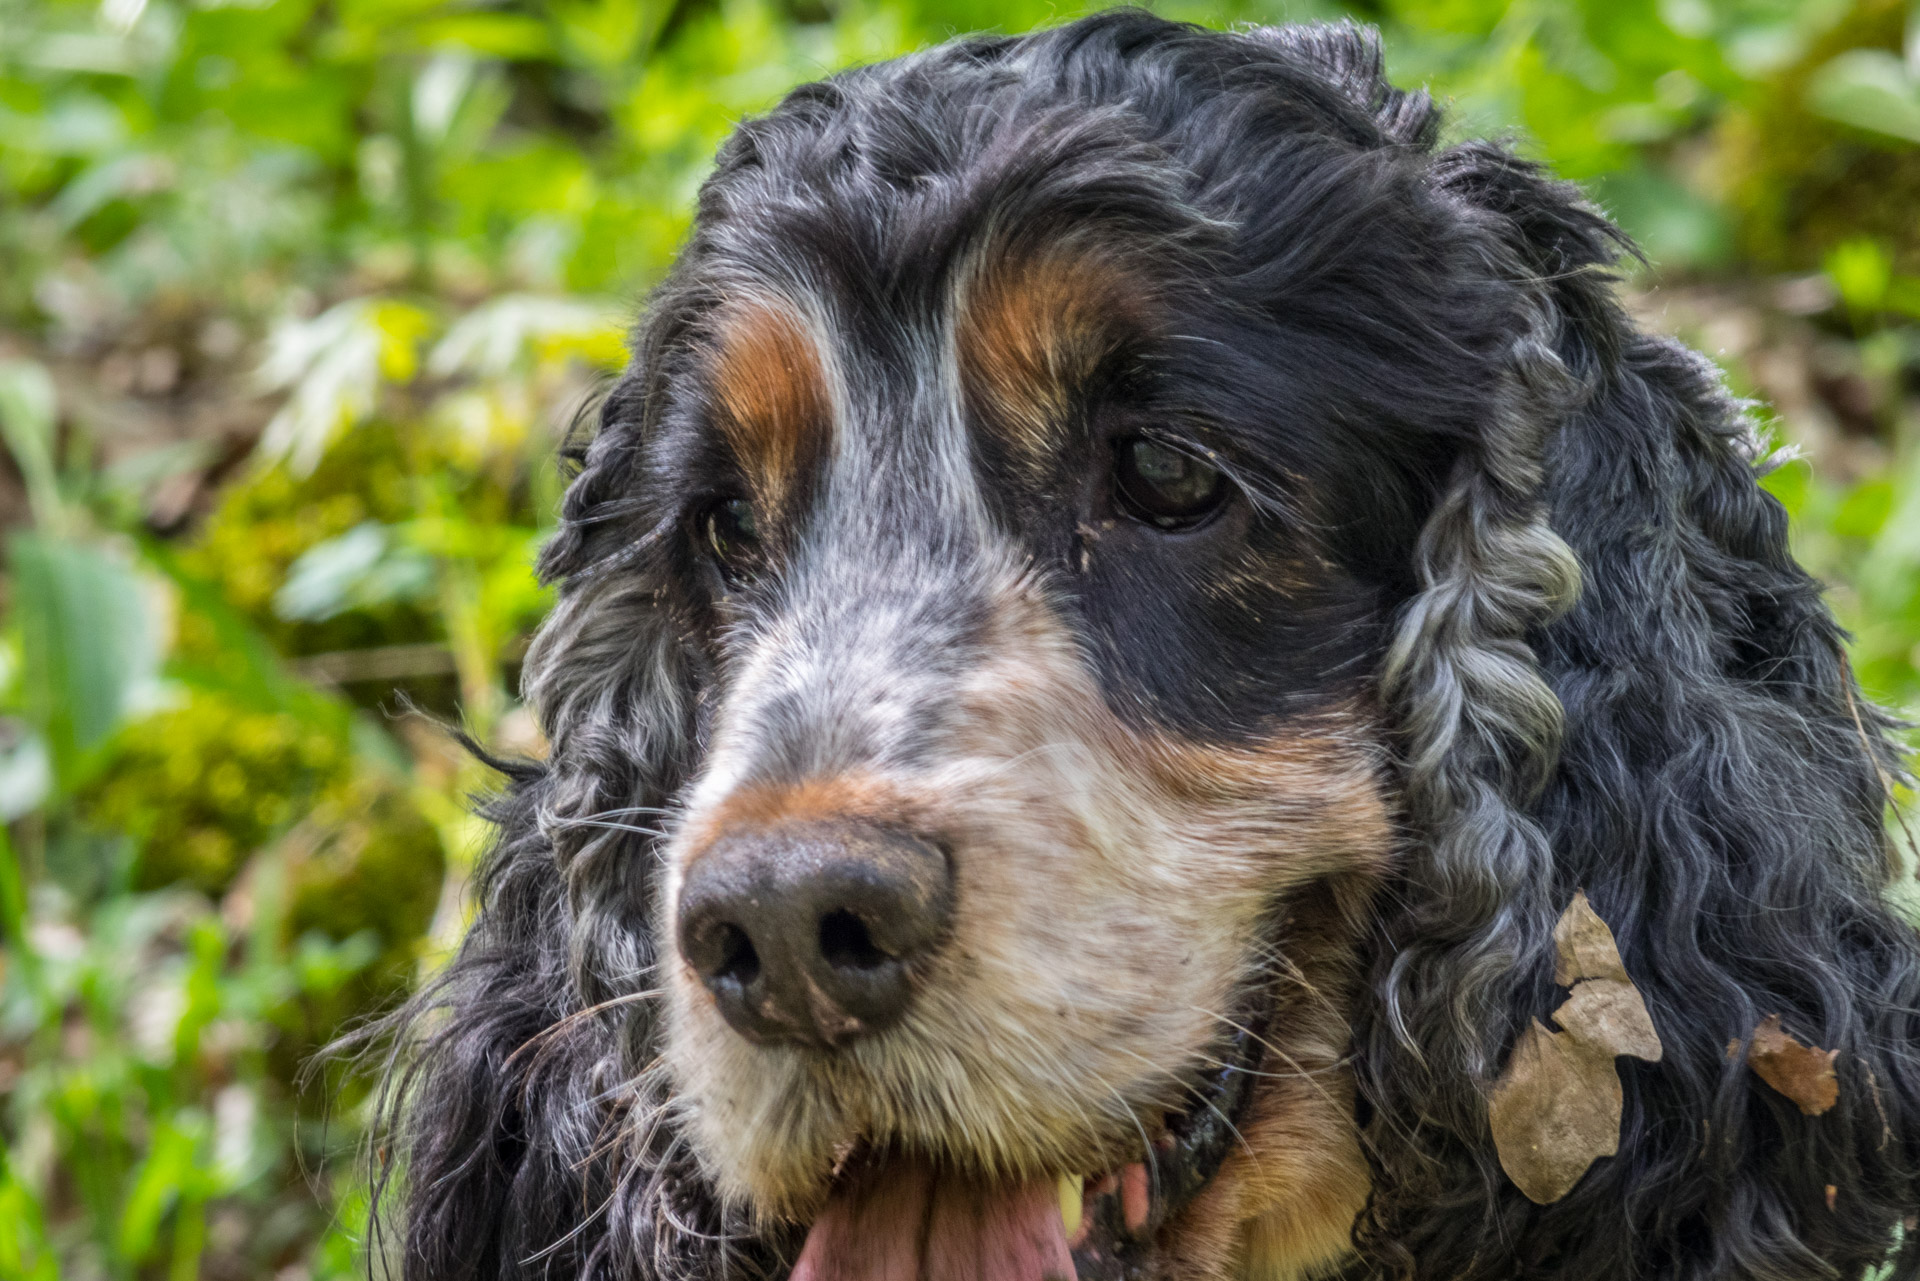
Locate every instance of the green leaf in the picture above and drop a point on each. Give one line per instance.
(361, 568)
(1869, 89)
(170, 1168)
(13, 928)
(26, 423)
(26, 776)
(24, 1253)
(90, 645)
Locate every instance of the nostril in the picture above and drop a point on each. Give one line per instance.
(738, 960)
(813, 934)
(846, 944)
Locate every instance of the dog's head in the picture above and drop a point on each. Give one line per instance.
(1057, 707)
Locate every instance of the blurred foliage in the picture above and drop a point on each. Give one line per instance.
(1828, 155)
(201, 786)
(295, 299)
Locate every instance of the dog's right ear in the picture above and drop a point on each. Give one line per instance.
(611, 676)
(521, 1131)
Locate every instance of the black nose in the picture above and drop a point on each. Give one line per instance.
(811, 933)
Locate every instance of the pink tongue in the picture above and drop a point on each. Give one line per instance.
(904, 1222)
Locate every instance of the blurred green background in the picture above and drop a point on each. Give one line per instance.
(296, 297)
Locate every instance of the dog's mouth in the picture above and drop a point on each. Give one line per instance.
(898, 1217)
(1122, 1213)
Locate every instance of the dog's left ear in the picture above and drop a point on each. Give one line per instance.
(1614, 677)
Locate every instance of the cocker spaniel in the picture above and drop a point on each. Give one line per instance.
(1152, 681)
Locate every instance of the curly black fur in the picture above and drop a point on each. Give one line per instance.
(1607, 672)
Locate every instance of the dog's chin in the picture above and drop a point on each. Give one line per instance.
(824, 1128)
(893, 1213)
(1134, 1196)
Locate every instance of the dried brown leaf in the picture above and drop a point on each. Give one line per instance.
(1554, 1112)
(1583, 946)
(1556, 1109)
(1605, 1014)
(1804, 1073)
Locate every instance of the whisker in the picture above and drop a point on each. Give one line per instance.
(1345, 1060)
(665, 1207)
(1200, 1096)
(537, 1041)
(1290, 970)
(616, 827)
(592, 1216)
(1301, 1073)
(1146, 1144)
(629, 809)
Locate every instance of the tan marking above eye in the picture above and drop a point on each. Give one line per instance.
(770, 385)
(1030, 333)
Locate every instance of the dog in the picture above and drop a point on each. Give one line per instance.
(1125, 592)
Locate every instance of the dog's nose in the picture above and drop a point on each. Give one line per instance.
(812, 933)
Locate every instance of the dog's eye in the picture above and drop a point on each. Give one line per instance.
(1163, 486)
(733, 536)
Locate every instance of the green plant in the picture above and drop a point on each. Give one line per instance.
(141, 1110)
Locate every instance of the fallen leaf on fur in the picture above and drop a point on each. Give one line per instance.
(1609, 1015)
(1804, 1073)
(1556, 1109)
(1583, 946)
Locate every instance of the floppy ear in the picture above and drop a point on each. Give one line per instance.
(1686, 744)
(523, 1132)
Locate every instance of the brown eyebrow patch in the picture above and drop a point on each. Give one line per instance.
(770, 385)
(1031, 333)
